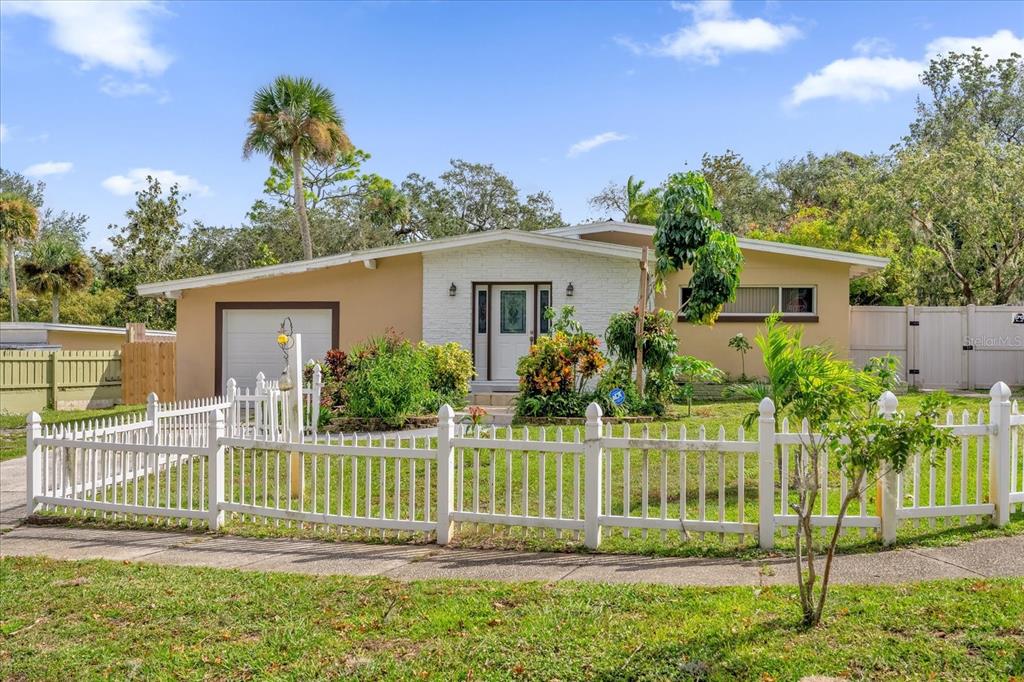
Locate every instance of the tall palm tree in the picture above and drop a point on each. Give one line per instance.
(56, 267)
(294, 119)
(19, 220)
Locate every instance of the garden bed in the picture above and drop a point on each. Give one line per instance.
(355, 424)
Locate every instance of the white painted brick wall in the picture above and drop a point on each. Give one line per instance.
(602, 285)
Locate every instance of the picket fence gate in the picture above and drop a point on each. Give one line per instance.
(201, 460)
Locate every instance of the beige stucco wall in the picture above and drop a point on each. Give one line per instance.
(69, 340)
(759, 268)
(371, 301)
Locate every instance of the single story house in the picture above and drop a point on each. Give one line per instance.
(58, 336)
(486, 291)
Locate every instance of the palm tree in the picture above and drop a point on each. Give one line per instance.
(292, 120)
(641, 206)
(19, 220)
(56, 267)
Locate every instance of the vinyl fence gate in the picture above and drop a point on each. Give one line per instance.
(960, 347)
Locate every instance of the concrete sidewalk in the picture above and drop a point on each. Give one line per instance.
(979, 559)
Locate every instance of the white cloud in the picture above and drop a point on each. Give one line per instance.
(868, 47)
(591, 143)
(38, 170)
(861, 78)
(867, 78)
(3, 133)
(135, 180)
(997, 46)
(715, 31)
(118, 88)
(113, 34)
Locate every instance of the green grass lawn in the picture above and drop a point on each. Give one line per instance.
(98, 619)
(12, 426)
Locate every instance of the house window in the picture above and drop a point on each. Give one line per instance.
(481, 311)
(544, 296)
(792, 301)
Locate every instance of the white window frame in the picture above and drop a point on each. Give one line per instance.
(779, 287)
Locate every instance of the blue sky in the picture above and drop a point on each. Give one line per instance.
(562, 97)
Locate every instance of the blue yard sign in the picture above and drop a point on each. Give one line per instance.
(617, 395)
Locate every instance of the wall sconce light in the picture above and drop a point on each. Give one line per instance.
(570, 290)
(452, 289)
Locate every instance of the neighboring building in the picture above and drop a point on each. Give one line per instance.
(486, 291)
(55, 336)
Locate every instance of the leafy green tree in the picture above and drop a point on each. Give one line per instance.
(293, 120)
(744, 197)
(19, 221)
(970, 93)
(12, 182)
(471, 197)
(962, 199)
(56, 267)
(839, 404)
(149, 247)
(688, 233)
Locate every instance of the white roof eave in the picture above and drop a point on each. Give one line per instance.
(173, 288)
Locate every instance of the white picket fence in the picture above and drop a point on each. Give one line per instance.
(202, 460)
(266, 407)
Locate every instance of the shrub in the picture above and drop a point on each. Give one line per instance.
(553, 376)
(389, 379)
(660, 346)
(451, 369)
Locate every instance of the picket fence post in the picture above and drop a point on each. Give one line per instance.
(999, 453)
(34, 461)
(445, 473)
(889, 480)
(766, 474)
(153, 416)
(592, 478)
(215, 470)
(232, 397)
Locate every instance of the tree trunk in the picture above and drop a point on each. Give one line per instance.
(300, 204)
(641, 314)
(12, 282)
(55, 308)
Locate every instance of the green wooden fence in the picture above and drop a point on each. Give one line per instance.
(63, 379)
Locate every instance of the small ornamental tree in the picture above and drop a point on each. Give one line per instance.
(740, 343)
(689, 233)
(841, 407)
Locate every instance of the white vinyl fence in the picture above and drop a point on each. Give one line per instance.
(202, 460)
(963, 347)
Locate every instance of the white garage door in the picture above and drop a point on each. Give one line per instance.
(249, 342)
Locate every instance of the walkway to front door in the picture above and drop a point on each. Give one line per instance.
(507, 317)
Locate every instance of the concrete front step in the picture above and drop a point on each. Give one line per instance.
(492, 399)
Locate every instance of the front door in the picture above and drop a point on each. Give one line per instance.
(512, 329)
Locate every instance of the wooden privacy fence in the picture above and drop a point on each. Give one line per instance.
(62, 379)
(943, 346)
(148, 367)
(198, 461)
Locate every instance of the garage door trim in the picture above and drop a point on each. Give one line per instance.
(220, 307)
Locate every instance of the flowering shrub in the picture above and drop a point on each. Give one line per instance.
(451, 369)
(553, 376)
